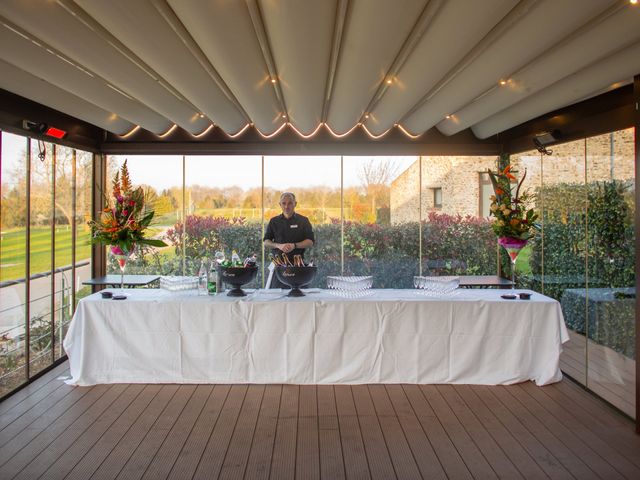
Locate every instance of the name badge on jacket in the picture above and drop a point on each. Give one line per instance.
(293, 226)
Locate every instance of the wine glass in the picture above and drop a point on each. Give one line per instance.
(219, 257)
(513, 246)
(122, 255)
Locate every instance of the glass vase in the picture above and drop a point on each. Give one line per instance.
(122, 256)
(513, 246)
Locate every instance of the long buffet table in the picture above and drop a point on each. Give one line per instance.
(391, 336)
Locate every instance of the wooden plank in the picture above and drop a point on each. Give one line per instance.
(33, 388)
(544, 433)
(94, 457)
(58, 418)
(616, 462)
(487, 406)
(452, 463)
(329, 444)
(147, 449)
(237, 456)
(216, 449)
(423, 452)
(283, 462)
(44, 406)
(57, 460)
(353, 449)
(572, 441)
(307, 449)
(166, 456)
(188, 459)
(86, 410)
(378, 456)
(259, 462)
(504, 440)
(472, 456)
(491, 451)
(402, 458)
(118, 457)
(32, 401)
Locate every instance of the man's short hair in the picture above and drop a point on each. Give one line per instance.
(287, 194)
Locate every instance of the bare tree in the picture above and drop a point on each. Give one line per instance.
(376, 176)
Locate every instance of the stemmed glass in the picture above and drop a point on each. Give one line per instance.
(513, 246)
(122, 255)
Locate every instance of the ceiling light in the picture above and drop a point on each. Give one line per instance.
(201, 115)
(389, 81)
(633, 2)
(366, 115)
(273, 80)
(284, 116)
(503, 82)
(448, 117)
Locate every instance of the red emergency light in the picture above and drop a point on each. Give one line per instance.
(43, 129)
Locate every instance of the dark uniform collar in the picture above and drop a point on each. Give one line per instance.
(293, 217)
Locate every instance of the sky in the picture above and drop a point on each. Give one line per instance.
(281, 172)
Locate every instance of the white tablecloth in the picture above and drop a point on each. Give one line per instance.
(392, 336)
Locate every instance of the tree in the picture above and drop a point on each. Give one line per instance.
(376, 177)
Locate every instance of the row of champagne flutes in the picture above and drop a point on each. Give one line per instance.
(436, 285)
(350, 286)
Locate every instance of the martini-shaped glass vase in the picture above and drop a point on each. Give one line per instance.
(122, 256)
(513, 246)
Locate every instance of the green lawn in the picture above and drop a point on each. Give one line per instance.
(12, 250)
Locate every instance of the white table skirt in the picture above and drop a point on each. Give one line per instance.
(392, 336)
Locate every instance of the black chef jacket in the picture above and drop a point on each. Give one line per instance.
(289, 230)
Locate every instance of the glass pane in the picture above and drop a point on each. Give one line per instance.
(455, 239)
(63, 241)
(558, 256)
(224, 204)
(161, 179)
(381, 209)
(84, 175)
(315, 181)
(610, 329)
(12, 261)
(40, 294)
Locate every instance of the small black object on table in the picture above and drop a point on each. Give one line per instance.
(237, 277)
(296, 277)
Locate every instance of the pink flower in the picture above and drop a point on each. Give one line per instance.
(125, 212)
(131, 203)
(116, 250)
(119, 198)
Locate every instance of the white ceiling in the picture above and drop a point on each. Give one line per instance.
(309, 64)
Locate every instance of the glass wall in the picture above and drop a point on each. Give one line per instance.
(585, 257)
(39, 254)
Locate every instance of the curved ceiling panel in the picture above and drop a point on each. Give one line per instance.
(300, 35)
(598, 38)
(374, 33)
(143, 29)
(593, 79)
(16, 80)
(224, 31)
(539, 26)
(94, 49)
(456, 29)
(30, 56)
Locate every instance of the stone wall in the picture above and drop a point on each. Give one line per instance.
(609, 156)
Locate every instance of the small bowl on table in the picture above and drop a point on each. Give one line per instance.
(296, 277)
(237, 277)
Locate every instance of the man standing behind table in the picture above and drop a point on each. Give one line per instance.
(289, 233)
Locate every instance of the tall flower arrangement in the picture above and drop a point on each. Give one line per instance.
(125, 217)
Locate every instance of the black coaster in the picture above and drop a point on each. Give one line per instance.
(107, 294)
(524, 296)
(119, 297)
(506, 296)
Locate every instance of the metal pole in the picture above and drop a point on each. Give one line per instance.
(262, 215)
(341, 215)
(420, 215)
(184, 219)
(74, 206)
(27, 262)
(54, 152)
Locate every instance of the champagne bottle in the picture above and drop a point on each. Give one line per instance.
(235, 259)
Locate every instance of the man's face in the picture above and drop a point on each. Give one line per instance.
(288, 206)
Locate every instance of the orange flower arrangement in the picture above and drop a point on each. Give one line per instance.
(123, 221)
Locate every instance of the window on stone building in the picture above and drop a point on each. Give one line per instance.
(486, 190)
(437, 197)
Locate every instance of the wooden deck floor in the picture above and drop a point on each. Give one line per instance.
(51, 430)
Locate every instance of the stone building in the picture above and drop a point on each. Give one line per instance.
(459, 185)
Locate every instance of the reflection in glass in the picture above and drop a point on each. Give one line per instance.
(610, 311)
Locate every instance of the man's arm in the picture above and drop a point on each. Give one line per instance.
(284, 247)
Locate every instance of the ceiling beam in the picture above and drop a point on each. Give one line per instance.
(338, 30)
